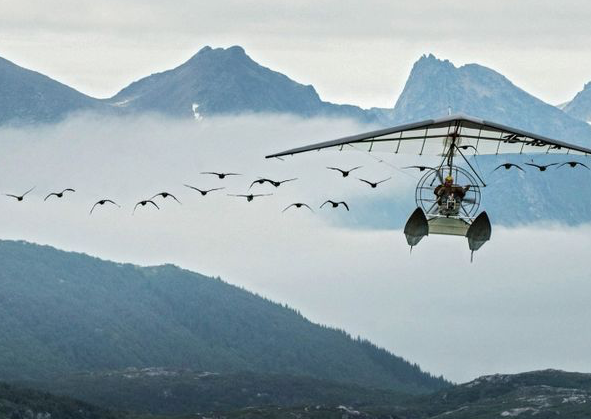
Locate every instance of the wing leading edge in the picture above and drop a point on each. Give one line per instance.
(434, 137)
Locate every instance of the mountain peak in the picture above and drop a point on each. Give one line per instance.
(227, 81)
(430, 60)
(436, 85)
(235, 50)
(580, 106)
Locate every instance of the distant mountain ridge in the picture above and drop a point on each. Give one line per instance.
(29, 97)
(227, 81)
(434, 86)
(580, 106)
(66, 312)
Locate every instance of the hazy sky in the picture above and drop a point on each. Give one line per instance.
(353, 51)
(523, 304)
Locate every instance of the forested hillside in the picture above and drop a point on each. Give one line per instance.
(66, 312)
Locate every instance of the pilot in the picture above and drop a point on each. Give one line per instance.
(448, 193)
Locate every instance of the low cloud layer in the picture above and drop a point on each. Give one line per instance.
(522, 305)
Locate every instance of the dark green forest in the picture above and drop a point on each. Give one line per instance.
(65, 313)
(19, 403)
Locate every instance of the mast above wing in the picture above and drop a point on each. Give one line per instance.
(436, 136)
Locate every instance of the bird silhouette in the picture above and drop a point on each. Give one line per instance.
(466, 147)
(259, 181)
(345, 173)
(220, 175)
(374, 184)
(203, 192)
(250, 197)
(507, 166)
(298, 205)
(280, 182)
(103, 202)
(335, 204)
(19, 197)
(421, 168)
(541, 167)
(165, 195)
(276, 183)
(143, 204)
(59, 194)
(574, 164)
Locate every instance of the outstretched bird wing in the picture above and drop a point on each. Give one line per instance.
(174, 197)
(385, 180)
(421, 168)
(53, 193)
(153, 203)
(345, 204)
(194, 188)
(307, 206)
(288, 207)
(535, 165)
(23, 195)
(92, 209)
(336, 168)
(287, 180)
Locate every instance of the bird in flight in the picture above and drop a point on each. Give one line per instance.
(250, 197)
(203, 192)
(336, 204)
(298, 205)
(220, 175)
(60, 194)
(345, 173)
(421, 168)
(374, 184)
(19, 197)
(574, 164)
(103, 202)
(507, 166)
(143, 204)
(276, 183)
(165, 195)
(541, 167)
(466, 147)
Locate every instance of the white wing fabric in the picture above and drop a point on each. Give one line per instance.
(466, 134)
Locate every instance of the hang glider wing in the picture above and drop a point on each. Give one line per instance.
(467, 135)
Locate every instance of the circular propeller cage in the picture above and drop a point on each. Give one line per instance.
(425, 191)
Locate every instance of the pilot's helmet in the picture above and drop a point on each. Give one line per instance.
(449, 179)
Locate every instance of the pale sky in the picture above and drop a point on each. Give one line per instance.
(352, 51)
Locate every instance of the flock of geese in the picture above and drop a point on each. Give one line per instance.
(260, 181)
(151, 202)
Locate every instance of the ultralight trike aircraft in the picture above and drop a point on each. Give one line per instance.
(448, 196)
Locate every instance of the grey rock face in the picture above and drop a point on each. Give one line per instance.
(30, 97)
(580, 106)
(227, 81)
(434, 86)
